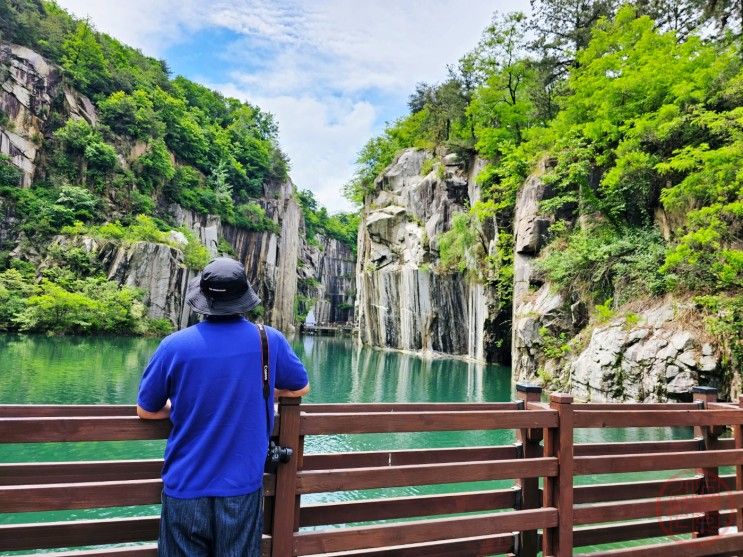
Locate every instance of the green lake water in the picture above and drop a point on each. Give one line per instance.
(106, 370)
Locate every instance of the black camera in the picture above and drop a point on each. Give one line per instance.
(277, 455)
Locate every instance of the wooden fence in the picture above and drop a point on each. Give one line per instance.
(521, 519)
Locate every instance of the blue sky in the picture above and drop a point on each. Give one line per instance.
(332, 72)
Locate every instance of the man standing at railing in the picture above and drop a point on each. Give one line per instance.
(208, 379)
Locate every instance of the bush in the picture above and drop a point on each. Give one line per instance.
(10, 175)
(603, 262)
(131, 115)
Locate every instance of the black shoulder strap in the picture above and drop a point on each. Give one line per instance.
(265, 370)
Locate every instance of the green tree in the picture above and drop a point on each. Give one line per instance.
(83, 60)
(132, 115)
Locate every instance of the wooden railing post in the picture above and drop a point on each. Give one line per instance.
(286, 501)
(558, 491)
(528, 495)
(738, 435)
(709, 525)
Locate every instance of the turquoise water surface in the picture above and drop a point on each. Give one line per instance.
(106, 370)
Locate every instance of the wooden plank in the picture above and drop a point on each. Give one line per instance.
(28, 498)
(325, 461)
(658, 418)
(714, 545)
(317, 481)
(406, 407)
(645, 447)
(386, 422)
(65, 410)
(43, 473)
(146, 550)
(402, 507)
(16, 537)
(616, 464)
(638, 530)
(467, 547)
(668, 506)
(558, 540)
(529, 494)
(622, 406)
(635, 490)
(91, 428)
(81, 471)
(286, 501)
(346, 539)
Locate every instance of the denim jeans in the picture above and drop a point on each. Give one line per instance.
(211, 526)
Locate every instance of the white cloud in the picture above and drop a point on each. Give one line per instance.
(327, 68)
(321, 137)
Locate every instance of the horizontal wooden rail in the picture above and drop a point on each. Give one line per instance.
(317, 481)
(345, 539)
(646, 447)
(364, 459)
(345, 408)
(91, 428)
(139, 550)
(636, 490)
(84, 471)
(657, 418)
(404, 507)
(27, 498)
(623, 406)
(38, 475)
(393, 422)
(77, 533)
(65, 410)
(667, 506)
(476, 546)
(688, 548)
(616, 464)
(144, 550)
(642, 529)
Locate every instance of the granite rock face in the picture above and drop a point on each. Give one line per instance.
(29, 86)
(327, 280)
(157, 269)
(32, 89)
(655, 356)
(537, 308)
(657, 359)
(404, 301)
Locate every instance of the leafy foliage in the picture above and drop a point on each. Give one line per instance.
(343, 227)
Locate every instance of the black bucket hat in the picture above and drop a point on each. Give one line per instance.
(221, 289)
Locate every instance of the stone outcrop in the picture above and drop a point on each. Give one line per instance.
(404, 301)
(157, 269)
(270, 259)
(536, 306)
(658, 357)
(29, 87)
(327, 280)
(655, 354)
(32, 89)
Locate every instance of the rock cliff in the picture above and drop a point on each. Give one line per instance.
(35, 99)
(652, 353)
(404, 301)
(327, 281)
(30, 88)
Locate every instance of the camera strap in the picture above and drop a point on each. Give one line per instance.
(266, 373)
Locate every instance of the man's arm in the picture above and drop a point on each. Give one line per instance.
(162, 414)
(292, 394)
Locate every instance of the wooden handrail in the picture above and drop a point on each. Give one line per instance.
(567, 515)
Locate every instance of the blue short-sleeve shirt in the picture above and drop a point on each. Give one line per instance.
(211, 372)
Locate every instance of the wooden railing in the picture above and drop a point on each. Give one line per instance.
(520, 519)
